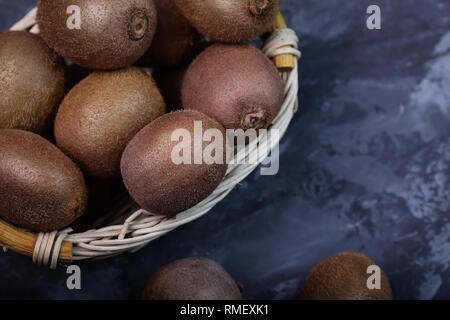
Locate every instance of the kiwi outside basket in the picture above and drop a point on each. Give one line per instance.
(127, 228)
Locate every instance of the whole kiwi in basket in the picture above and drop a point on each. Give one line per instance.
(234, 84)
(232, 21)
(98, 34)
(41, 189)
(102, 113)
(33, 81)
(191, 279)
(344, 277)
(164, 167)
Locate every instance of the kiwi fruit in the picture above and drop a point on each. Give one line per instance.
(175, 39)
(343, 277)
(112, 33)
(191, 279)
(170, 82)
(234, 84)
(232, 21)
(32, 82)
(102, 113)
(41, 189)
(152, 178)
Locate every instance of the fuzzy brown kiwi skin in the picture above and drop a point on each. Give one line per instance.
(175, 40)
(41, 189)
(33, 82)
(113, 33)
(233, 21)
(191, 279)
(343, 277)
(154, 181)
(234, 84)
(102, 113)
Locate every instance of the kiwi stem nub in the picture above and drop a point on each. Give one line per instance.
(258, 7)
(138, 25)
(254, 119)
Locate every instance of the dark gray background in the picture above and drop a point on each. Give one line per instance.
(364, 167)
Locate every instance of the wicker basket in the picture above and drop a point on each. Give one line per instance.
(128, 228)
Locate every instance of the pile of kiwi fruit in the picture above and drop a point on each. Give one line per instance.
(80, 108)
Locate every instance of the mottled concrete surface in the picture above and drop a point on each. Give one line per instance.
(365, 167)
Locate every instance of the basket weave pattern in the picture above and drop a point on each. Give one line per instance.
(128, 228)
